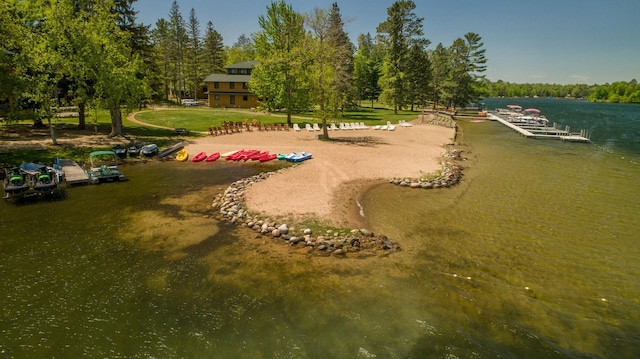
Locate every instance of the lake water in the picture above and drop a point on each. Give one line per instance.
(535, 254)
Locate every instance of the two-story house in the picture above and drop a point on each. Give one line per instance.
(231, 89)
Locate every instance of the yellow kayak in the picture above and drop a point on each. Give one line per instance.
(182, 155)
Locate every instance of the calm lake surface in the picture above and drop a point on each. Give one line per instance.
(535, 254)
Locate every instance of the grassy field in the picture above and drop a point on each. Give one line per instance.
(200, 119)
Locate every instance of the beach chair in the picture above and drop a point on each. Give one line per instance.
(353, 126)
(296, 127)
(308, 127)
(286, 127)
(278, 127)
(333, 127)
(272, 127)
(390, 127)
(363, 126)
(316, 127)
(376, 127)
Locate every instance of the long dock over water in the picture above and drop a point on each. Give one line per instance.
(537, 131)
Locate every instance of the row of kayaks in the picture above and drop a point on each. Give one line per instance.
(244, 155)
(183, 156)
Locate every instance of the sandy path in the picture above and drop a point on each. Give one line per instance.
(319, 187)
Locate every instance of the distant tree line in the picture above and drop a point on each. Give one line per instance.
(94, 54)
(617, 92)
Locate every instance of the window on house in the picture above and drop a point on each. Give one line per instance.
(240, 71)
(245, 98)
(232, 85)
(216, 85)
(248, 71)
(232, 71)
(217, 97)
(232, 99)
(244, 85)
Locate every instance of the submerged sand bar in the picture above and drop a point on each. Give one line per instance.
(316, 186)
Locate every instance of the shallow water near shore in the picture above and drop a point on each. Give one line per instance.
(534, 254)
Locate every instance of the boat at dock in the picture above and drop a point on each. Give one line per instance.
(531, 124)
(31, 180)
(104, 167)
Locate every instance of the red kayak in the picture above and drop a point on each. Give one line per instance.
(233, 156)
(247, 155)
(257, 156)
(199, 157)
(212, 157)
(268, 157)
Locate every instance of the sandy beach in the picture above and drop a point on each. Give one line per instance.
(326, 186)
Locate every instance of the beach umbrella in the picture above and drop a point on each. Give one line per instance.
(532, 110)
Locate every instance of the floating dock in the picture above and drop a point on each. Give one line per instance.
(73, 173)
(537, 131)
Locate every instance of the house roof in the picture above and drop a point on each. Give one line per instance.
(233, 78)
(227, 78)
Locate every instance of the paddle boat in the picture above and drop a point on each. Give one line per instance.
(298, 156)
(199, 157)
(281, 156)
(212, 157)
(182, 155)
(104, 167)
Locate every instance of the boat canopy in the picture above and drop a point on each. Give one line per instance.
(514, 107)
(532, 110)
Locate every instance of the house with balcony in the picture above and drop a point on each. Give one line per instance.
(231, 90)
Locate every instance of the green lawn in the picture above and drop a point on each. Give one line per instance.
(194, 119)
(200, 119)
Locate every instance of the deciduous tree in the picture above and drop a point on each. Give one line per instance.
(279, 52)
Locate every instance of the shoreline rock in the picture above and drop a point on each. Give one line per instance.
(230, 206)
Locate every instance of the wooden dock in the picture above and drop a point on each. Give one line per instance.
(73, 173)
(537, 131)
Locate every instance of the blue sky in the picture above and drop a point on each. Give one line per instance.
(561, 41)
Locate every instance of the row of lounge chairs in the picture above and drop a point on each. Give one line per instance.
(237, 127)
(332, 126)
